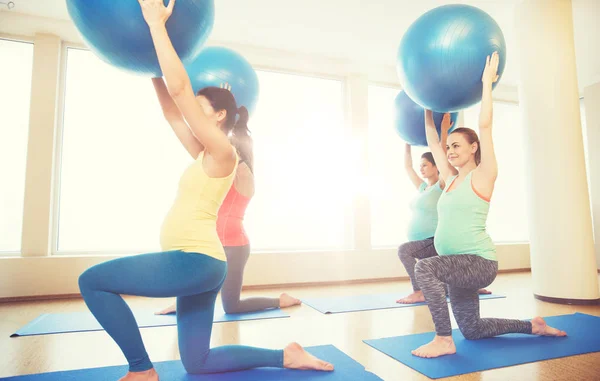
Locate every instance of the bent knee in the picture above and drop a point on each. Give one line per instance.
(470, 332)
(422, 267)
(231, 306)
(231, 309)
(86, 279)
(404, 250)
(195, 364)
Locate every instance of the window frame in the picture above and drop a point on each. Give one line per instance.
(58, 150)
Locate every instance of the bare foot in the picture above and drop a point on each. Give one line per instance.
(415, 297)
(169, 310)
(539, 327)
(286, 300)
(295, 357)
(439, 346)
(147, 375)
(483, 291)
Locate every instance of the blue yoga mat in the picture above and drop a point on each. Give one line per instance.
(84, 321)
(346, 369)
(339, 304)
(507, 350)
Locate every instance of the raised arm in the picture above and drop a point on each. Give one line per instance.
(176, 120)
(408, 167)
(179, 86)
(439, 154)
(487, 171)
(446, 125)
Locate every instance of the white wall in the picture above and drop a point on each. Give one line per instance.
(592, 114)
(58, 275)
(37, 272)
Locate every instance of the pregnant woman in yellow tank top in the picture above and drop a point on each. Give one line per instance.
(192, 265)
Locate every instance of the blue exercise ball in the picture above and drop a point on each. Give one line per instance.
(409, 120)
(116, 32)
(215, 66)
(442, 56)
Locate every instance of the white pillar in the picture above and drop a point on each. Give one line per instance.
(591, 99)
(37, 208)
(563, 263)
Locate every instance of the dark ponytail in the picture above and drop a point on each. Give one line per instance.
(241, 139)
(429, 157)
(240, 128)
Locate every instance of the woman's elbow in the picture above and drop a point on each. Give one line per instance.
(177, 89)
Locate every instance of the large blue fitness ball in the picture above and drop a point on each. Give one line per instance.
(116, 32)
(215, 66)
(410, 120)
(442, 56)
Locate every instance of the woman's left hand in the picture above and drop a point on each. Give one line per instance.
(491, 69)
(155, 13)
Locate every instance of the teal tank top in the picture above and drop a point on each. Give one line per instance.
(462, 216)
(424, 212)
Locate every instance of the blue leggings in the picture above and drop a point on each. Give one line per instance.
(195, 279)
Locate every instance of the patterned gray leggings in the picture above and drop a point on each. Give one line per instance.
(464, 274)
(410, 251)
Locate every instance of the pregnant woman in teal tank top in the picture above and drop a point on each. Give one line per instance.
(422, 226)
(467, 255)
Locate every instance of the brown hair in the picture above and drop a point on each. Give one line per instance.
(236, 121)
(471, 137)
(429, 157)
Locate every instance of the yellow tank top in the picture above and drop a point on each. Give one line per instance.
(191, 224)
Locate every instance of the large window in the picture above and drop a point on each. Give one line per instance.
(301, 165)
(391, 191)
(15, 93)
(508, 218)
(120, 162)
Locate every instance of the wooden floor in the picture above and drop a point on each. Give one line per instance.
(36, 354)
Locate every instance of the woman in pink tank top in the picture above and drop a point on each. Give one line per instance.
(230, 227)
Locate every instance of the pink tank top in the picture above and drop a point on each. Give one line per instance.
(230, 220)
